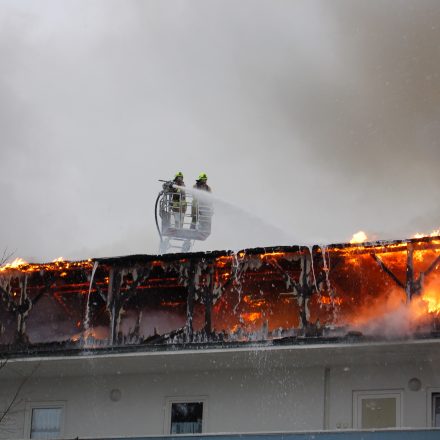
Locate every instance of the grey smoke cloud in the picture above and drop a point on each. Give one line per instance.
(321, 118)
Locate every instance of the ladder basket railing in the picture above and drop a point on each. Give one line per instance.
(184, 216)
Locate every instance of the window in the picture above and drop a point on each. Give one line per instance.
(376, 409)
(46, 423)
(46, 420)
(185, 415)
(436, 410)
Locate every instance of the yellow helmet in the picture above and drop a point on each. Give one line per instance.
(179, 174)
(202, 176)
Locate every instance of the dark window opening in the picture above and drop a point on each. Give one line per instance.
(436, 410)
(186, 417)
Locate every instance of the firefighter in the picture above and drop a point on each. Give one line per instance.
(178, 200)
(201, 183)
(201, 209)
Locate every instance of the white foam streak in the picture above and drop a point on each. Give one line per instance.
(233, 227)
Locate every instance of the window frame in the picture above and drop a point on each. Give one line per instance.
(360, 395)
(429, 396)
(184, 399)
(47, 404)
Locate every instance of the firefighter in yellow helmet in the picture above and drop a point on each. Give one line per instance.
(201, 210)
(201, 183)
(179, 204)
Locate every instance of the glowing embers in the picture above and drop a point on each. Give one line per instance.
(388, 290)
(56, 265)
(259, 301)
(248, 296)
(16, 264)
(250, 317)
(272, 254)
(223, 261)
(329, 301)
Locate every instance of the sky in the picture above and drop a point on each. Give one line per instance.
(313, 120)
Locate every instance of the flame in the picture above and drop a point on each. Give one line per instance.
(171, 303)
(329, 300)
(432, 300)
(234, 328)
(255, 302)
(14, 265)
(57, 265)
(97, 333)
(359, 237)
(271, 254)
(358, 291)
(428, 302)
(434, 233)
(246, 318)
(251, 316)
(395, 314)
(379, 308)
(223, 261)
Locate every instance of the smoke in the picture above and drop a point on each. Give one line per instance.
(152, 322)
(394, 317)
(320, 118)
(235, 228)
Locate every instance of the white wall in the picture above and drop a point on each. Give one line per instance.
(266, 397)
(344, 380)
(238, 401)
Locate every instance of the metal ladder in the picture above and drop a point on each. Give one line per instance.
(173, 244)
(194, 224)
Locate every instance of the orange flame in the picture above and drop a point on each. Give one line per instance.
(14, 265)
(420, 310)
(328, 300)
(434, 233)
(271, 254)
(428, 302)
(251, 316)
(359, 237)
(57, 265)
(432, 299)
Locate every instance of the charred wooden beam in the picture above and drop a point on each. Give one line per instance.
(409, 286)
(116, 299)
(208, 301)
(412, 285)
(432, 266)
(141, 284)
(113, 302)
(144, 274)
(24, 306)
(190, 299)
(306, 287)
(388, 271)
(417, 285)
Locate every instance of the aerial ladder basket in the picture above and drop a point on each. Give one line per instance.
(181, 218)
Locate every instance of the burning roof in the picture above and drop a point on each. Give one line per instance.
(271, 295)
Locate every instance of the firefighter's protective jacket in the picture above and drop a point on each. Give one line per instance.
(202, 186)
(179, 198)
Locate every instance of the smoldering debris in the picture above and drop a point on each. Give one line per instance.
(260, 295)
